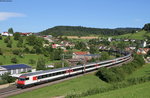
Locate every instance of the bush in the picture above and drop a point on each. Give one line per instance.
(17, 51)
(14, 60)
(115, 86)
(117, 74)
(1, 52)
(1, 37)
(7, 39)
(31, 61)
(6, 78)
(26, 50)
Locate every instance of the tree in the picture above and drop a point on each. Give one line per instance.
(1, 52)
(146, 27)
(6, 77)
(31, 61)
(9, 44)
(10, 30)
(17, 51)
(41, 64)
(26, 50)
(104, 56)
(7, 39)
(14, 60)
(31, 40)
(17, 36)
(1, 37)
(93, 49)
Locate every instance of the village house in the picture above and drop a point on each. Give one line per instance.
(48, 38)
(26, 34)
(81, 55)
(6, 34)
(143, 51)
(66, 43)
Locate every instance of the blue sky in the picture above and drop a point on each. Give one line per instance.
(37, 15)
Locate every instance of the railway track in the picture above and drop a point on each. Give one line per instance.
(12, 90)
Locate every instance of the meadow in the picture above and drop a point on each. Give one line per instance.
(135, 91)
(139, 35)
(87, 82)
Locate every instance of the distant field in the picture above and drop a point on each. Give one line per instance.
(84, 37)
(138, 35)
(84, 83)
(135, 91)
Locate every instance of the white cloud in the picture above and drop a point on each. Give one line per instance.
(7, 15)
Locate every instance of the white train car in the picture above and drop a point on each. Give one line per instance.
(34, 78)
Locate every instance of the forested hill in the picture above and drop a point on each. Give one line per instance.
(85, 31)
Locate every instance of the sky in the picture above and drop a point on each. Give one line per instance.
(38, 15)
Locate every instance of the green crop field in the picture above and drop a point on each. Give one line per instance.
(138, 35)
(79, 84)
(135, 91)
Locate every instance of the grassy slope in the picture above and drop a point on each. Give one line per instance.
(75, 85)
(5, 59)
(138, 35)
(79, 84)
(135, 91)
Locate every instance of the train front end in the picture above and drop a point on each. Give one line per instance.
(21, 82)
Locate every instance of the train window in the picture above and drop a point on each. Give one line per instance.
(27, 78)
(48, 75)
(44, 76)
(58, 73)
(21, 79)
(53, 74)
(39, 77)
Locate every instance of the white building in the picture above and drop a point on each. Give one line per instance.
(6, 34)
(14, 69)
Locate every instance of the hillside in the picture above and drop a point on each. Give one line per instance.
(22, 57)
(139, 35)
(135, 91)
(85, 31)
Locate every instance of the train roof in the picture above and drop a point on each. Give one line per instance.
(48, 71)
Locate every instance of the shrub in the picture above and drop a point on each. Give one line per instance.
(31, 61)
(117, 74)
(14, 60)
(1, 52)
(17, 51)
(1, 37)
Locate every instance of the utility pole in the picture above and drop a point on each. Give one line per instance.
(63, 60)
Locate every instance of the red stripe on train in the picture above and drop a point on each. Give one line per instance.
(20, 82)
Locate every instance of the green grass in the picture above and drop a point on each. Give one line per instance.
(135, 91)
(85, 83)
(144, 71)
(138, 35)
(67, 87)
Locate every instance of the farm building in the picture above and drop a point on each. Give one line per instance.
(14, 69)
(6, 34)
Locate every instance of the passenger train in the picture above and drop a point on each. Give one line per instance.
(39, 77)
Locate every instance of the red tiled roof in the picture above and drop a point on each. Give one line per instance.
(81, 53)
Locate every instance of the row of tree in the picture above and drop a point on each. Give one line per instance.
(84, 31)
(117, 74)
